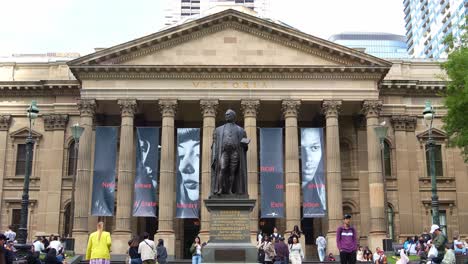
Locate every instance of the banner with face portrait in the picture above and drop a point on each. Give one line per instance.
(147, 170)
(105, 156)
(271, 173)
(313, 175)
(188, 173)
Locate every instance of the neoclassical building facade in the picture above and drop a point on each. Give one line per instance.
(272, 76)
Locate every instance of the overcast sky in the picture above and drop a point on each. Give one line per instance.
(39, 26)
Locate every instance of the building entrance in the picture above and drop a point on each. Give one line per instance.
(191, 230)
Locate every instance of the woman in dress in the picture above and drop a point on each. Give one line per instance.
(196, 250)
(296, 254)
(99, 244)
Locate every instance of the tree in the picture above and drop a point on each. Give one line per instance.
(456, 94)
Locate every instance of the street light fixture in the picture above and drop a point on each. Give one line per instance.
(381, 132)
(77, 131)
(22, 247)
(428, 115)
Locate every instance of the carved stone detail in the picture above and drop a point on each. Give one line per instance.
(290, 107)
(209, 107)
(411, 123)
(128, 107)
(5, 121)
(168, 107)
(87, 107)
(372, 108)
(55, 122)
(399, 122)
(331, 108)
(250, 107)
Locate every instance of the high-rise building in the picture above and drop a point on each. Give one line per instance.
(428, 22)
(175, 10)
(382, 45)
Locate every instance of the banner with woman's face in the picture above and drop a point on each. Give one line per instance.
(188, 173)
(313, 176)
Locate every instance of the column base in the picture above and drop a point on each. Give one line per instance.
(376, 240)
(120, 242)
(331, 244)
(169, 243)
(81, 242)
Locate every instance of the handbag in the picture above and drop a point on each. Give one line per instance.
(432, 252)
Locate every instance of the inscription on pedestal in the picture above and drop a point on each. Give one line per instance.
(230, 226)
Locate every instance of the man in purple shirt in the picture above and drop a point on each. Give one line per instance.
(282, 252)
(346, 241)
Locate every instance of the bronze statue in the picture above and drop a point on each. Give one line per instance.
(228, 158)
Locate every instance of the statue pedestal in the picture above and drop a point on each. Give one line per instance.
(229, 231)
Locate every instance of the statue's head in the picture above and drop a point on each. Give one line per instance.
(230, 116)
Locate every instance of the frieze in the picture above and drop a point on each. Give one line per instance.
(5, 121)
(331, 108)
(55, 122)
(250, 107)
(168, 107)
(128, 107)
(290, 108)
(372, 108)
(209, 107)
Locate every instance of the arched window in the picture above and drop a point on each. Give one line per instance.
(67, 220)
(387, 159)
(71, 159)
(390, 219)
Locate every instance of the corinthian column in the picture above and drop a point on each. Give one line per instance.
(5, 121)
(87, 109)
(331, 110)
(250, 108)
(377, 228)
(293, 181)
(208, 108)
(122, 232)
(167, 177)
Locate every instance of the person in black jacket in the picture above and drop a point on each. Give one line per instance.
(5, 254)
(51, 257)
(161, 252)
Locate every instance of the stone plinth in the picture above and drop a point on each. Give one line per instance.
(229, 231)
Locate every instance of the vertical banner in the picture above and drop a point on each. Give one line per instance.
(271, 173)
(313, 176)
(105, 155)
(188, 173)
(146, 177)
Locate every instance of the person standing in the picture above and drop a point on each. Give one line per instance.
(161, 252)
(135, 257)
(269, 250)
(296, 254)
(10, 234)
(196, 250)
(321, 246)
(147, 250)
(439, 240)
(282, 252)
(99, 244)
(346, 241)
(6, 256)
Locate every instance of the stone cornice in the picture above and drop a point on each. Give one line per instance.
(229, 72)
(331, 108)
(39, 88)
(55, 122)
(371, 108)
(411, 87)
(209, 107)
(128, 107)
(5, 121)
(168, 107)
(290, 108)
(250, 107)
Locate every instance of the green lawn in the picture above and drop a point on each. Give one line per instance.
(393, 259)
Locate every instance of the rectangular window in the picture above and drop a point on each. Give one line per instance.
(442, 221)
(15, 219)
(21, 160)
(71, 160)
(437, 161)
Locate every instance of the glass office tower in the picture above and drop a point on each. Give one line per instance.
(428, 22)
(382, 45)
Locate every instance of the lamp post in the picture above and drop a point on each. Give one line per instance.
(22, 246)
(381, 132)
(77, 130)
(428, 115)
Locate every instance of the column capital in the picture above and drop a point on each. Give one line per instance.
(411, 123)
(250, 107)
(55, 122)
(372, 108)
(168, 107)
(331, 108)
(290, 107)
(128, 107)
(5, 121)
(87, 107)
(209, 107)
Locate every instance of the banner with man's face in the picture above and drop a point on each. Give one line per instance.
(146, 178)
(313, 175)
(105, 155)
(188, 173)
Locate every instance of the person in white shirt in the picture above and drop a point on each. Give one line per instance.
(321, 247)
(10, 234)
(147, 250)
(376, 255)
(55, 244)
(38, 245)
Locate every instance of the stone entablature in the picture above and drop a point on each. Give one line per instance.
(55, 122)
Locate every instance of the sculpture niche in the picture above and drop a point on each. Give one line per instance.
(228, 159)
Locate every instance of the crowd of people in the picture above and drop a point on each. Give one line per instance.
(274, 248)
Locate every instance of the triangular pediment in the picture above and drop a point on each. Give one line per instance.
(24, 132)
(233, 38)
(437, 134)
